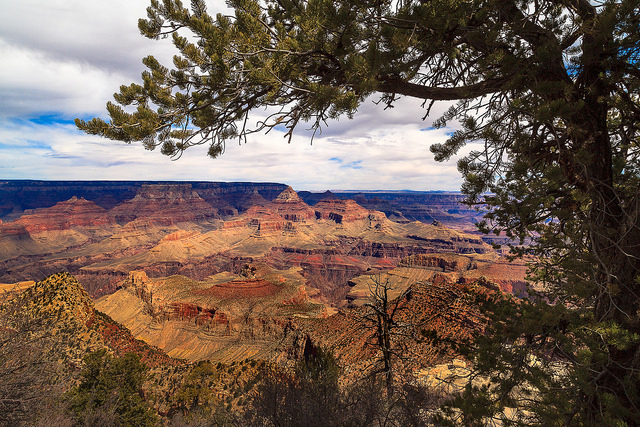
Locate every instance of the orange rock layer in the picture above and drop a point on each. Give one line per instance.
(63, 216)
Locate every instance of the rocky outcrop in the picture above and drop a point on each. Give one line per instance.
(268, 219)
(165, 205)
(224, 317)
(261, 219)
(340, 210)
(14, 230)
(258, 213)
(200, 316)
(16, 196)
(410, 206)
(290, 207)
(178, 235)
(162, 311)
(73, 213)
(71, 326)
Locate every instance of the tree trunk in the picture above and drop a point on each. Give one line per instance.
(614, 238)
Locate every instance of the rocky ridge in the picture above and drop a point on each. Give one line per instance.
(225, 317)
(73, 213)
(70, 326)
(445, 269)
(16, 196)
(445, 311)
(165, 205)
(175, 231)
(47, 327)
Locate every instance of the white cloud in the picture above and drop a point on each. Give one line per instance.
(399, 161)
(65, 58)
(34, 82)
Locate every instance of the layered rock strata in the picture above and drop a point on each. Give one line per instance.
(165, 205)
(73, 213)
(290, 207)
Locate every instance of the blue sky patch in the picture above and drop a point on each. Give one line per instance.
(352, 165)
(26, 144)
(51, 119)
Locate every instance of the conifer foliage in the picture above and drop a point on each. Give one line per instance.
(110, 391)
(548, 92)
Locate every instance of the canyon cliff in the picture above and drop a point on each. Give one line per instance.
(167, 229)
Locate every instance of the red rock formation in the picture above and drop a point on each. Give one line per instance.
(290, 207)
(263, 219)
(201, 316)
(236, 223)
(264, 213)
(142, 287)
(11, 229)
(252, 288)
(178, 235)
(64, 216)
(268, 226)
(300, 297)
(340, 210)
(165, 205)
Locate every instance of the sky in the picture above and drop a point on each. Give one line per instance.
(62, 59)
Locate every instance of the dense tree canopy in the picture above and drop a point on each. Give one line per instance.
(110, 392)
(549, 91)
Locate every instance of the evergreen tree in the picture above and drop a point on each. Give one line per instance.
(110, 391)
(308, 396)
(550, 90)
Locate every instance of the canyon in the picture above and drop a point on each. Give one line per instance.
(236, 271)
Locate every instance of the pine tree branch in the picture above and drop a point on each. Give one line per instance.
(395, 85)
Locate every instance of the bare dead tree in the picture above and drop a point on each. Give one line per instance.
(381, 316)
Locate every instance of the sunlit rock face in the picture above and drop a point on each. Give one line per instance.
(75, 212)
(253, 276)
(230, 198)
(166, 229)
(166, 205)
(225, 317)
(291, 207)
(340, 210)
